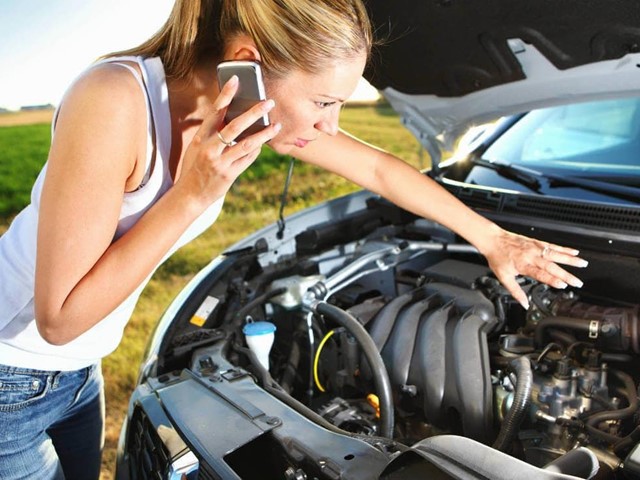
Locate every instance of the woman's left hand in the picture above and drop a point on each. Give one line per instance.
(510, 255)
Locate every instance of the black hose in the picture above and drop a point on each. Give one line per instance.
(562, 337)
(593, 431)
(520, 405)
(380, 375)
(629, 390)
(271, 386)
(236, 322)
(291, 368)
(578, 324)
(622, 446)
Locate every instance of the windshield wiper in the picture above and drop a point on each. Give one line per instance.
(623, 192)
(531, 179)
(524, 176)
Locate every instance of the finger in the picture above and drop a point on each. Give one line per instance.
(244, 162)
(226, 94)
(239, 124)
(213, 119)
(559, 248)
(511, 284)
(561, 256)
(543, 276)
(254, 141)
(561, 274)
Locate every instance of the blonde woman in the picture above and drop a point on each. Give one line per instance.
(139, 164)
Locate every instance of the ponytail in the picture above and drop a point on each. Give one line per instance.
(289, 34)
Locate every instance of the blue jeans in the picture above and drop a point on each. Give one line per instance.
(51, 423)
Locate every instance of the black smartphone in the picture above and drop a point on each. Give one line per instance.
(250, 91)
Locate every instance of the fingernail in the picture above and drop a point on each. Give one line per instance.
(576, 283)
(233, 80)
(582, 263)
(525, 304)
(268, 105)
(277, 127)
(561, 285)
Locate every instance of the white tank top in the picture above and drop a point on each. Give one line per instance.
(20, 343)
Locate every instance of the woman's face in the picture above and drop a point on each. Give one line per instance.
(308, 105)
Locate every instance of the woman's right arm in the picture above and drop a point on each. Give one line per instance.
(81, 276)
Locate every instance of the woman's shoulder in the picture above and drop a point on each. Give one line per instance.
(110, 79)
(106, 88)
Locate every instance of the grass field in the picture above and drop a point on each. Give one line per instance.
(251, 204)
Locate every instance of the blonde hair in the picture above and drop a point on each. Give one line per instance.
(289, 34)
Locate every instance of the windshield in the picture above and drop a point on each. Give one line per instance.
(581, 139)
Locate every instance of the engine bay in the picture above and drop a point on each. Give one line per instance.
(397, 331)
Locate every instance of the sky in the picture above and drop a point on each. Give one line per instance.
(45, 44)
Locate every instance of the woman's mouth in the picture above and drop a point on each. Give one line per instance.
(300, 143)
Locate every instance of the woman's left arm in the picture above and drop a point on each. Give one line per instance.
(508, 254)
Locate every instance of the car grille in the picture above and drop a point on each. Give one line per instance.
(149, 458)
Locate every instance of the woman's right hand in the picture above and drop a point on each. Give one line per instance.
(210, 165)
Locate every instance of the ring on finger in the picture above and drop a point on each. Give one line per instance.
(545, 251)
(223, 140)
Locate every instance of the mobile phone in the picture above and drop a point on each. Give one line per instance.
(250, 91)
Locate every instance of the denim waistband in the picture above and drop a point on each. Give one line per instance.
(31, 371)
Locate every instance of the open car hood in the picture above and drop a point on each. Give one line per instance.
(446, 65)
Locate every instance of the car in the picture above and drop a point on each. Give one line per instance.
(354, 340)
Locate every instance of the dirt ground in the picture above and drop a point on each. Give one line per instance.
(8, 119)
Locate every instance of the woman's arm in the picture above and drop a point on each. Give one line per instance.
(81, 276)
(508, 254)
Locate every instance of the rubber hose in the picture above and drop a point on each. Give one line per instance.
(271, 386)
(630, 392)
(579, 324)
(291, 368)
(379, 371)
(622, 447)
(521, 400)
(237, 320)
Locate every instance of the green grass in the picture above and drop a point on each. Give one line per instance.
(252, 203)
(23, 151)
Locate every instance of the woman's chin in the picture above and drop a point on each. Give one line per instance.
(279, 147)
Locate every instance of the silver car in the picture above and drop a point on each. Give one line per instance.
(355, 341)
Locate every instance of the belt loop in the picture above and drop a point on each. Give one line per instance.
(53, 380)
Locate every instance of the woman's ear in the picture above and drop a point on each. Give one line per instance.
(241, 47)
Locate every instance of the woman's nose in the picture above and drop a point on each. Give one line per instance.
(329, 124)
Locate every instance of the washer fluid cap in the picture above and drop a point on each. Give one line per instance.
(258, 328)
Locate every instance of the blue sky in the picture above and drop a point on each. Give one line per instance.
(45, 44)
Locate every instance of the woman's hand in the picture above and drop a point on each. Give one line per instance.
(213, 160)
(510, 255)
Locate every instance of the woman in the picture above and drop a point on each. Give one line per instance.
(139, 165)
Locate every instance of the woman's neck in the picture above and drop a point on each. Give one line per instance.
(190, 98)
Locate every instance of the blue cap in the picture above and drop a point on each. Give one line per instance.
(258, 328)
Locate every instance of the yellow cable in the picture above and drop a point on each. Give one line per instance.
(315, 360)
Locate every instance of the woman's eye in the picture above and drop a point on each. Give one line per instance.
(325, 104)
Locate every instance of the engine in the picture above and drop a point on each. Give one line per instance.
(412, 338)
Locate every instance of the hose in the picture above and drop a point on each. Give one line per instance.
(578, 324)
(629, 390)
(521, 399)
(240, 315)
(380, 375)
(622, 446)
(271, 386)
(291, 368)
